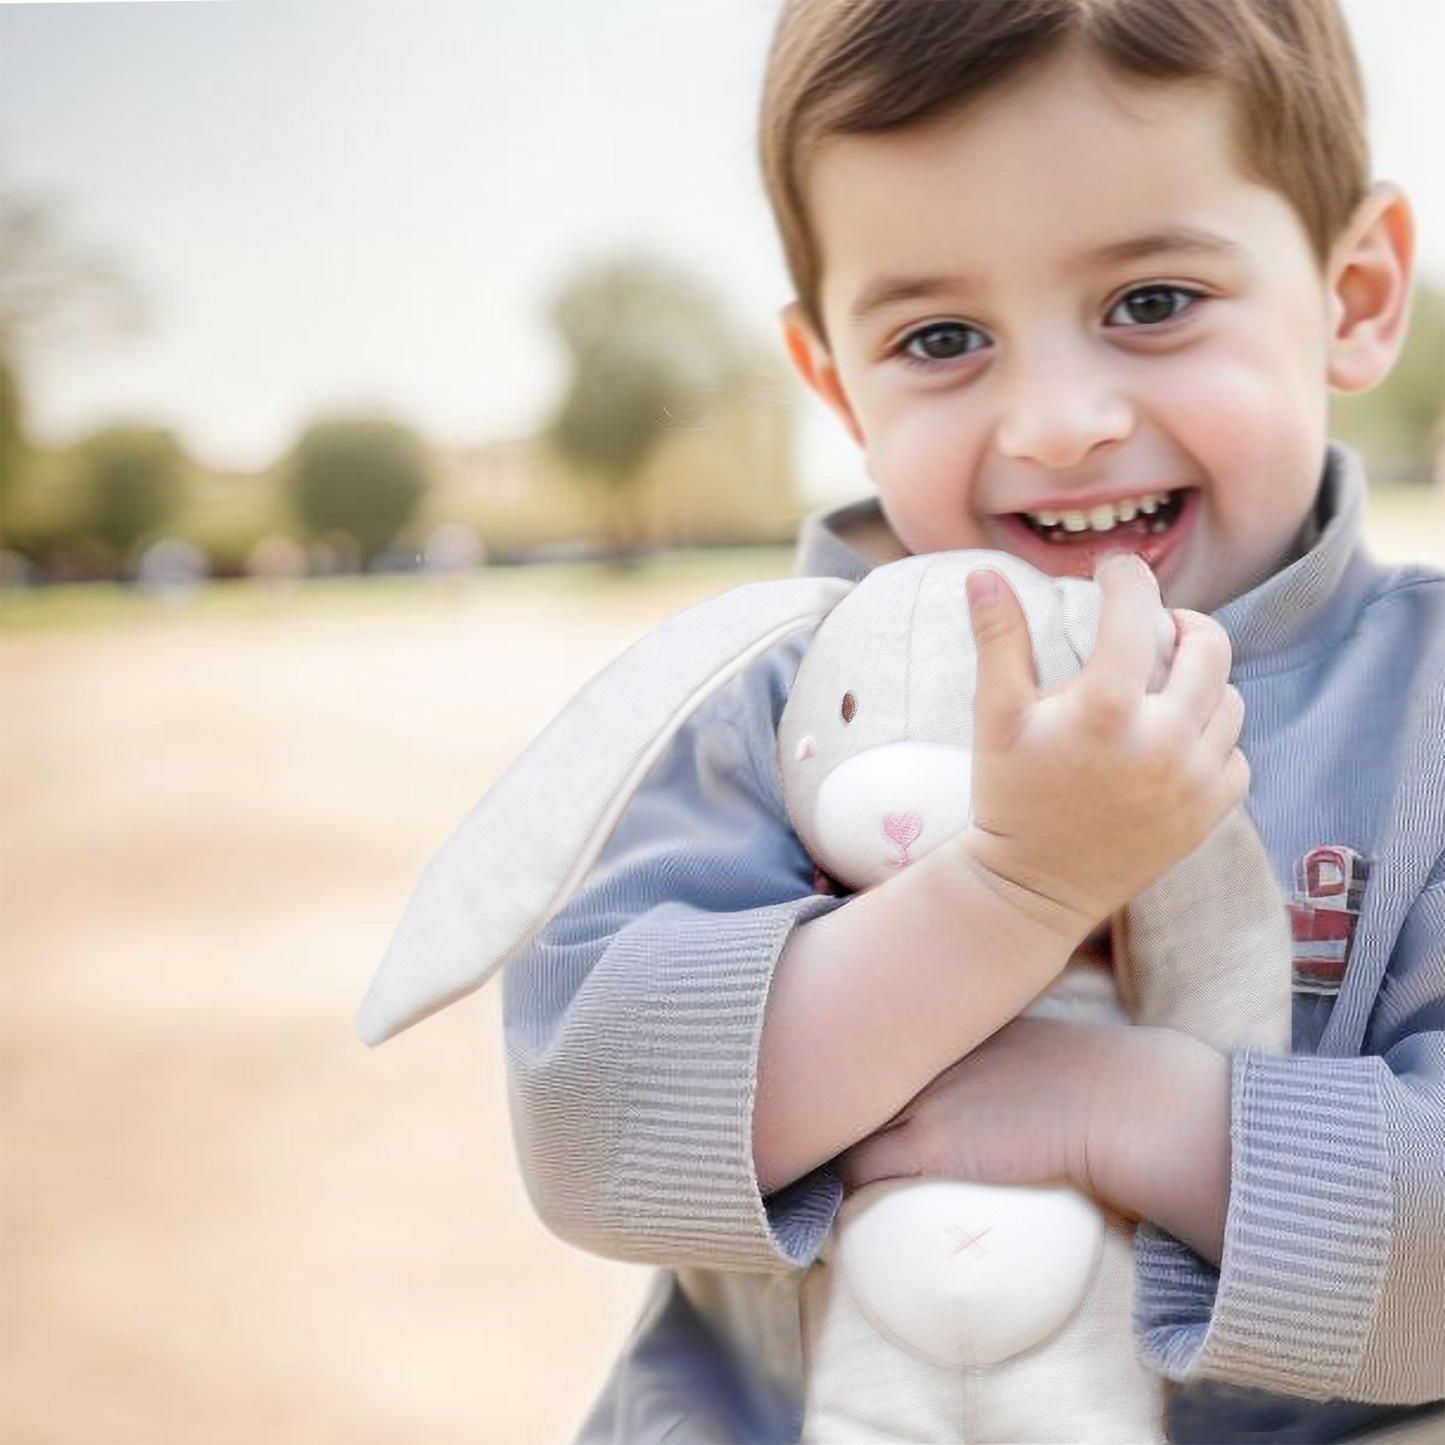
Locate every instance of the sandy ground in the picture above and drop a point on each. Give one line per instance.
(224, 1219)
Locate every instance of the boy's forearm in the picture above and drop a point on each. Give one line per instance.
(870, 1002)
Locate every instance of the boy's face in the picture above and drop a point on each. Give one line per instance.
(1066, 322)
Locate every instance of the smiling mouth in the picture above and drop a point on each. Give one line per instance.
(1147, 515)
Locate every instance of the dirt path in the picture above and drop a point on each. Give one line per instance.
(225, 1220)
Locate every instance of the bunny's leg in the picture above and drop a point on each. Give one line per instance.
(863, 1385)
(1206, 948)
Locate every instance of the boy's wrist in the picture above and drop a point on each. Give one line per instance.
(1053, 923)
(1157, 1143)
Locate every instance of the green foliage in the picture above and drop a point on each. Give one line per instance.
(650, 349)
(364, 477)
(131, 481)
(56, 293)
(228, 514)
(1398, 425)
(14, 450)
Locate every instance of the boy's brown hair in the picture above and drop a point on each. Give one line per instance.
(861, 67)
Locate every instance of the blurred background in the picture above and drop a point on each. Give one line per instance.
(370, 374)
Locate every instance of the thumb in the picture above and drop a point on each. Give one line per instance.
(884, 1155)
(1006, 683)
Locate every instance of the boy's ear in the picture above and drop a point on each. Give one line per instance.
(1369, 280)
(814, 363)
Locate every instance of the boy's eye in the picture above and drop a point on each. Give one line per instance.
(1151, 305)
(942, 341)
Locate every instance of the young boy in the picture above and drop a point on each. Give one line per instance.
(1078, 276)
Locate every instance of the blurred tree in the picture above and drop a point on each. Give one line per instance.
(51, 290)
(1398, 425)
(52, 293)
(650, 347)
(14, 448)
(131, 481)
(361, 476)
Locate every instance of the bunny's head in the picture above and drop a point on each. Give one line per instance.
(875, 746)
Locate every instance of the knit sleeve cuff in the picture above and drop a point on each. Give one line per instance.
(1306, 1241)
(634, 1120)
(689, 1151)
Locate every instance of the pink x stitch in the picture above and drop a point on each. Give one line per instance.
(966, 1241)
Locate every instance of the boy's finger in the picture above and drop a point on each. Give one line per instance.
(1221, 733)
(1200, 671)
(1127, 648)
(1006, 683)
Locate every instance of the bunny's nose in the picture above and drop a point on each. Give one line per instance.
(902, 829)
(884, 808)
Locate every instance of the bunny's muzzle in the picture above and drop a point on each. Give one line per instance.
(881, 810)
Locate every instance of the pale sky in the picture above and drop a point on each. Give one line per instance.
(331, 204)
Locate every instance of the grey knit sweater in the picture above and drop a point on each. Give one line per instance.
(633, 1024)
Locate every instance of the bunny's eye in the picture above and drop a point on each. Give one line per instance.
(850, 706)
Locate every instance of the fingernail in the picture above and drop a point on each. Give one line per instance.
(982, 587)
(1166, 634)
(1117, 559)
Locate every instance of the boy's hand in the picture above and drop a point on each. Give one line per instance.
(1136, 1117)
(1084, 796)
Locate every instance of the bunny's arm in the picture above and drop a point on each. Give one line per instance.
(633, 1018)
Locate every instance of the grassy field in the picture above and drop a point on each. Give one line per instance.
(224, 1220)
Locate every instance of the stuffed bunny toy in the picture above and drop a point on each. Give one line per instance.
(940, 1310)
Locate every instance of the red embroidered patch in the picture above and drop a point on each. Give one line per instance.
(1329, 888)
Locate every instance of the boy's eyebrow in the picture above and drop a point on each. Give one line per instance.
(891, 290)
(1171, 240)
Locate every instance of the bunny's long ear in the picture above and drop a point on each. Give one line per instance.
(523, 850)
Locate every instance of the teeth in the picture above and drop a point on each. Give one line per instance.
(1103, 518)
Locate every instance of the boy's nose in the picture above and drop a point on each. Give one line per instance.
(1056, 413)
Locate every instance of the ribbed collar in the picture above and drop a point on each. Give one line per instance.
(1314, 602)
(1305, 607)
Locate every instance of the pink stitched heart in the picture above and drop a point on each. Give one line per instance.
(902, 828)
